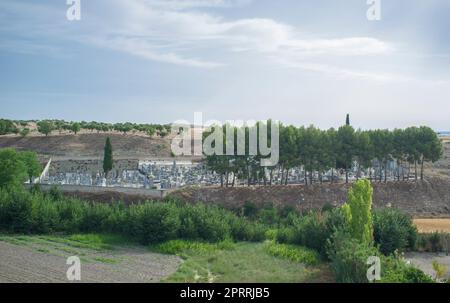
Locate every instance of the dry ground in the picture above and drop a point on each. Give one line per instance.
(43, 259)
(432, 225)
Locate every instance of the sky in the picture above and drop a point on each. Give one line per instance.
(158, 61)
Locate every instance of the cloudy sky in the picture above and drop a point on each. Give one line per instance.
(298, 61)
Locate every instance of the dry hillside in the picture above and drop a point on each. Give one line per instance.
(90, 145)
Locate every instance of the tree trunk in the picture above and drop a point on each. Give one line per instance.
(415, 170)
(271, 177)
(346, 175)
(421, 170)
(221, 180)
(385, 171)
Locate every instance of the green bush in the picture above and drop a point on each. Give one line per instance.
(292, 253)
(71, 214)
(349, 258)
(395, 270)
(310, 231)
(286, 235)
(269, 216)
(250, 210)
(44, 215)
(434, 242)
(15, 211)
(153, 222)
(205, 223)
(393, 231)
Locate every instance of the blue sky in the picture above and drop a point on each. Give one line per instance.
(301, 62)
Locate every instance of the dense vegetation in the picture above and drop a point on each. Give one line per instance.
(318, 152)
(46, 127)
(345, 237)
(328, 235)
(17, 167)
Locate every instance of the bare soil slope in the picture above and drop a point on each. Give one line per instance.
(422, 199)
(91, 145)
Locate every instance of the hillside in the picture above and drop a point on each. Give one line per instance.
(90, 145)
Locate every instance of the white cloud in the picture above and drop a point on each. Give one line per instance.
(161, 31)
(179, 32)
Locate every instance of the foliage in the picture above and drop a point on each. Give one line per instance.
(31, 162)
(24, 132)
(439, 269)
(45, 127)
(434, 242)
(394, 231)
(358, 211)
(7, 127)
(292, 253)
(317, 152)
(349, 257)
(397, 271)
(13, 171)
(108, 157)
(153, 222)
(179, 247)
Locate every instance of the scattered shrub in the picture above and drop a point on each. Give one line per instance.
(250, 210)
(327, 207)
(395, 270)
(269, 216)
(393, 231)
(311, 231)
(349, 257)
(434, 242)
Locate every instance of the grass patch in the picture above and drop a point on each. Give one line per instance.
(292, 252)
(183, 247)
(107, 260)
(246, 263)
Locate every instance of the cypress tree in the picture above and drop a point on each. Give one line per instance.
(108, 157)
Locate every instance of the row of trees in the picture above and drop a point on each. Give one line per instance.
(318, 152)
(46, 127)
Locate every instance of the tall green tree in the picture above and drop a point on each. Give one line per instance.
(12, 168)
(108, 157)
(75, 127)
(430, 147)
(45, 127)
(358, 211)
(346, 148)
(32, 165)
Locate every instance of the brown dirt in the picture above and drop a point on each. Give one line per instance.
(24, 263)
(432, 225)
(422, 199)
(91, 145)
